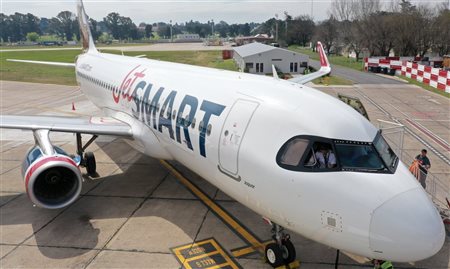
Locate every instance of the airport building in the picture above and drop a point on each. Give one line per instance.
(258, 58)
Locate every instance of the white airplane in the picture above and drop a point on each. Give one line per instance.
(257, 139)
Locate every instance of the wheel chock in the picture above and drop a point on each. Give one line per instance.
(293, 265)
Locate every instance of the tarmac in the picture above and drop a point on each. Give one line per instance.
(144, 213)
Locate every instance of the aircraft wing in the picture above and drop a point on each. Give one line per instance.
(325, 68)
(82, 125)
(42, 62)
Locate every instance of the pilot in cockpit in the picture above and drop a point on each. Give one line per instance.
(325, 157)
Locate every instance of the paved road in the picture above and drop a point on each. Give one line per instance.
(357, 77)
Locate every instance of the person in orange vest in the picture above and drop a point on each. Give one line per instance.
(424, 165)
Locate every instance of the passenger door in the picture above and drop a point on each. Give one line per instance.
(233, 132)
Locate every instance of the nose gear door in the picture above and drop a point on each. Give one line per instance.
(233, 132)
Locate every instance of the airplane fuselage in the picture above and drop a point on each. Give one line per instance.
(228, 127)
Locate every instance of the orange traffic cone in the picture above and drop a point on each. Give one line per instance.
(73, 106)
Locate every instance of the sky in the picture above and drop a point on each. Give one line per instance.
(231, 11)
(149, 11)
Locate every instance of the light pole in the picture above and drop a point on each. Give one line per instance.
(287, 17)
(171, 36)
(276, 27)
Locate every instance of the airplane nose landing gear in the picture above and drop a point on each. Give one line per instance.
(282, 251)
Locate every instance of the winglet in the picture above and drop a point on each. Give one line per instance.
(325, 68)
(323, 57)
(85, 31)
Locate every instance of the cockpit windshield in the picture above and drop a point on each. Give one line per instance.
(319, 154)
(359, 157)
(386, 153)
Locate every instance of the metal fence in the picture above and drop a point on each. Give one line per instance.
(394, 134)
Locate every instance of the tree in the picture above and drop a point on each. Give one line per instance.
(16, 23)
(105, 38)
(344, 10)
(112, 23)
(32, 36)
(127, 29)
(148, 31)
(68, 24)
(222, 28)
(381, 37)
(441, 33)
(300, 31)
(94, 29)
(5, 26)
(327, 33)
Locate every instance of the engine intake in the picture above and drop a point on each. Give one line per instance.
(51, 181)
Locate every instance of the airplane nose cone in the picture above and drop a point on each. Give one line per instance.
(406, 228)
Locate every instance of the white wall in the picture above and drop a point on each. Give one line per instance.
(267, 59)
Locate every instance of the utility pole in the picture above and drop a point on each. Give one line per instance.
(276, 27)
(171, 36)
(212, 27)
(312, 9)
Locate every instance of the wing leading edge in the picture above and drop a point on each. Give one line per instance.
(325, 68)
(42, 62)
(82, 125)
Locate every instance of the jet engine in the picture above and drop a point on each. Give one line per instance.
(51, 180)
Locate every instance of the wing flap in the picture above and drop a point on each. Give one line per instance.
(83, 125)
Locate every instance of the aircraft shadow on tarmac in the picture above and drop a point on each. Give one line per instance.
(107, 202)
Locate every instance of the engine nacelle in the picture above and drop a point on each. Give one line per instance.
(51, 181)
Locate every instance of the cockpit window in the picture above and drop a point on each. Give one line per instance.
(319, 154)
(293, 151)
(359, 157)
(386, 153)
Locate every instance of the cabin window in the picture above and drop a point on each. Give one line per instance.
(186, 121)
(208, 129)
(200, 126)
(294, 151)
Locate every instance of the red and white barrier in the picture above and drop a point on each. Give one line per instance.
(408, 66)
(435, 77)
(386, 62)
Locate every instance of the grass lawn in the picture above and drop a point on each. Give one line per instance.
(66, 75)
(426, 87)
(337, 60)
(205, 58)
(38, 73)
(6, 47)
(332, 80)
